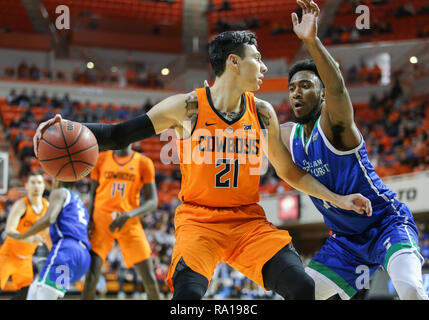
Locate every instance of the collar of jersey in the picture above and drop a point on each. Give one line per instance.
(209, 99)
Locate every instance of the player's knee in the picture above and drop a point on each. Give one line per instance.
(302, 287)
(191, 291)
(188, 284)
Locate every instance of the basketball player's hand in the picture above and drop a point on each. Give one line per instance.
(119, 222)
(355, 202)
(41, 129)
(306, 30)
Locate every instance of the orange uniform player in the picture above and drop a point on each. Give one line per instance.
(117, 179)
(220, 195)
(15, 255)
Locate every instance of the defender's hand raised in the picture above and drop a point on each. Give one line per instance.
(41, 129)
(306, 30)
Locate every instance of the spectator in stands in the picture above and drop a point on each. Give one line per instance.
(22, 70)
(354, 35)
(34, 98)
(55, 102)
(374, 74)
(122, 113)
(98, 113)
(10, 99)
(226, 5)
(66, 107)
(252, 23)
(363, 74)
(86, 112)
(131, 76)
(44, 99)
(23, 100)
(211, 6)
(34, 72)
(424, 9)
(77, 75)
(405, 10)
(109, 115)
(9, 72)
(352, 74)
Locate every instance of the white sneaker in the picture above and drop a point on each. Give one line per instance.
(121, 295)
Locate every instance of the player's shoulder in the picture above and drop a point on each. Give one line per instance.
(103, 155)
(142, 158)
(262, 105)
(286, 130)
(183, 99)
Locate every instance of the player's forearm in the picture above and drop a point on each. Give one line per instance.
(40, 225)
(305, 182)
(120, 135)
(146, 207)
(326, 66)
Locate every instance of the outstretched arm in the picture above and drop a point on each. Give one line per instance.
(169, 113)
(286, 169)
(338, 110)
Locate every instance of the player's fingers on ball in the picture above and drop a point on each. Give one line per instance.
(307, 5)
(302, 5)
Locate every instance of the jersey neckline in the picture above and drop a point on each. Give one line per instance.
(243, 111)
(126, 162)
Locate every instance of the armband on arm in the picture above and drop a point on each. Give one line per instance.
(120, 135)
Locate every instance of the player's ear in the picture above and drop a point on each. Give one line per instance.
(233, 60)
(322, 95)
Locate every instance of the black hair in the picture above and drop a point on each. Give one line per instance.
(33, 174)
(307, 64)
(226, 43)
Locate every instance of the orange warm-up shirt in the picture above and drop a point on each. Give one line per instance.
(30, 217)
(120, 180)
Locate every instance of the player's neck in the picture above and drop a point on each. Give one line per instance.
(35, 201)
(120, 153)
(308, 127)
(225, 96)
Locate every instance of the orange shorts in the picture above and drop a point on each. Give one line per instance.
(131, 239)
(19, 268)
(241, 236)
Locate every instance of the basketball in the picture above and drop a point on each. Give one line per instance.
(68, 151)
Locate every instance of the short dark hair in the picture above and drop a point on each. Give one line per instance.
(33, 174)
(307, 64)
(226, 43)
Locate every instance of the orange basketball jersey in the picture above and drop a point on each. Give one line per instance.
(120, 180)
(29, 218)
(220, 162)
